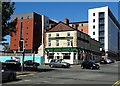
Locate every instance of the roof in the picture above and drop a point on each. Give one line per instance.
(78, 22)
(60, 27)
(63, 27)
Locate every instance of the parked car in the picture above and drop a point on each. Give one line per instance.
(8, 75)
(106, 61)
(89, 64)
(12, 61)
(12, 64)
(29, 63)
(59, 63)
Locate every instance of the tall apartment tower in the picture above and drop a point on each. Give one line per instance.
(29, 27)
(104, 27)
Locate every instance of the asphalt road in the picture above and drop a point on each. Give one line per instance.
(108, 74)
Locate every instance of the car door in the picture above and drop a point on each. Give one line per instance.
(5, 74)
(57, 63)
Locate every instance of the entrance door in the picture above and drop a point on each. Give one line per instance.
(58, 57)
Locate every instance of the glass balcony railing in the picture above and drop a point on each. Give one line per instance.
(101, 22)
(101, 29)
(101, 16)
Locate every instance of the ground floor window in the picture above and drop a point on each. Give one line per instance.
(66, 55)
(74, 56)
(51, 56)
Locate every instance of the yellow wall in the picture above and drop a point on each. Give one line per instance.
(62, 42)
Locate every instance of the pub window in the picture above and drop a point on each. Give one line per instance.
(68, 34)
(57, 42)
(49, 42)
(57, 35)
(49, 35)
(68, 42)
(66, 56)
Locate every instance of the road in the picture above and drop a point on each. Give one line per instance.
(108, 74)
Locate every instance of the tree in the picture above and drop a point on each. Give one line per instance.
(8, 26)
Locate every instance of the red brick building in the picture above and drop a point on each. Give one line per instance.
(29, 27)
(81, 26)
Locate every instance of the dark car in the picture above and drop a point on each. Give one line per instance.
(59, 63)
(106, 61)
(30, 63)
(12, 64)
(8, 75)
(88, 64)
(12, 61)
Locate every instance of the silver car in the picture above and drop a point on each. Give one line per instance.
(8, 75)
(59, 63)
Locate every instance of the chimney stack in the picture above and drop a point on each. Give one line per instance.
(75, 26)
(66, 21)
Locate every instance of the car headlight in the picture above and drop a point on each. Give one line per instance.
(93, 64)
(65, 64)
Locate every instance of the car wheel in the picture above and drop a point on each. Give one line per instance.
(11, 77)
(63, 66)
(51, 66)
(35, 66)
(91, 68)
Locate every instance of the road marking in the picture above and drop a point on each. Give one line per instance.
(25, 75)
(27, 80)
(117, 83)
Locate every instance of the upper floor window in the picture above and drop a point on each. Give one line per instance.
(93, 26)
(82, 30)
(68, 42)
(93, 20)
(57, 35)
(49, 42)
(57, 42)
(93, 14)
(49, 35)
(101, 14)
(81, 24)
(68, 34)
(27, 17)
(21, 17)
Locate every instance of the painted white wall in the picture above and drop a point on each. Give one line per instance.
(96, 23)
(110, 29)
(45, 24)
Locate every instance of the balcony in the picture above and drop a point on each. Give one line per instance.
(101, 29)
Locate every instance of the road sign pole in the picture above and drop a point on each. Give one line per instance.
(22, 68)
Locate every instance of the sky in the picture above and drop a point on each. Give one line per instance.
(74, 11)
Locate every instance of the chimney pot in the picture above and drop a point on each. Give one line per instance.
(66, 21)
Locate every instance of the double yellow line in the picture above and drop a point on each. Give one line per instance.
(117, 83)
